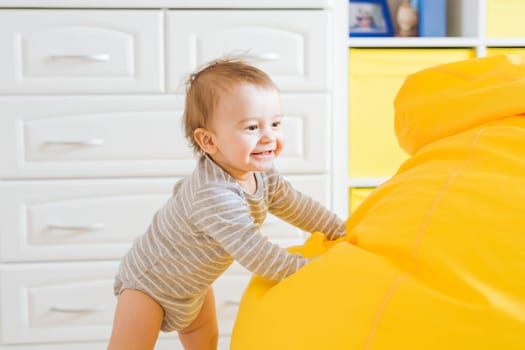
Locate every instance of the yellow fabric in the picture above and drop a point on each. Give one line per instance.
(433, 258)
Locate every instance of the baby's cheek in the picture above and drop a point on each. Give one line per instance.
(281, 142)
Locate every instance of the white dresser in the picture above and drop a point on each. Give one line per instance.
(91, 96)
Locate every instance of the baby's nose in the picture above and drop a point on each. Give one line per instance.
(269, 134)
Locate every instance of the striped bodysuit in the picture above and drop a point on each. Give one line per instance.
(207, 223)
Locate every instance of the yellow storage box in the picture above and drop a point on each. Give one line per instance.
(357, 196)
(505, 18)
(495, 51)
(375, 77)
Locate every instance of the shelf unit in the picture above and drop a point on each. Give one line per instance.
(475, 28)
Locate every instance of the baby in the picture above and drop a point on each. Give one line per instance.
(233, 120)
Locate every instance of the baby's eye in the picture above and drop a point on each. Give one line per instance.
(276, 124)
(252, 127)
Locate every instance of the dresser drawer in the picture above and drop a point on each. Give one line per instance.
(98, 219)
(81, 51)
(57, 137)
(56, 302)
(75, 302)
(92, 136)
(76, 220)
(287, 45)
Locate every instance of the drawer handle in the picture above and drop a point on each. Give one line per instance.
(270, 56)
(92, 227)
(231, 303)
(86, 143)
(98, 57)
(69, 309)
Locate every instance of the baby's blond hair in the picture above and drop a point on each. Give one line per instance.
(205, 86)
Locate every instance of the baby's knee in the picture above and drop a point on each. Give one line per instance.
(201, 338)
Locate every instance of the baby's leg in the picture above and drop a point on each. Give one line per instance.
(137, 322)
(203, 332)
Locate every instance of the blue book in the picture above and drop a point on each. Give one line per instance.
(432, 18)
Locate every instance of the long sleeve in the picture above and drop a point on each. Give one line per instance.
(301, 210)
(221, 212)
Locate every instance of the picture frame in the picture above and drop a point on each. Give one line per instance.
(369, 18)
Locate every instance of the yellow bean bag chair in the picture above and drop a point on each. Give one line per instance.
(435, 257)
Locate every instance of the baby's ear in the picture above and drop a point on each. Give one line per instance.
(205, 140)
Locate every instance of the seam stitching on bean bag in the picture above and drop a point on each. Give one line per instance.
(397, 282)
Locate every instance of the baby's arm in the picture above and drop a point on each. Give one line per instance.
(301, 210)
(224, 216)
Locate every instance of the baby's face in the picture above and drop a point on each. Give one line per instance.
(247, 130)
